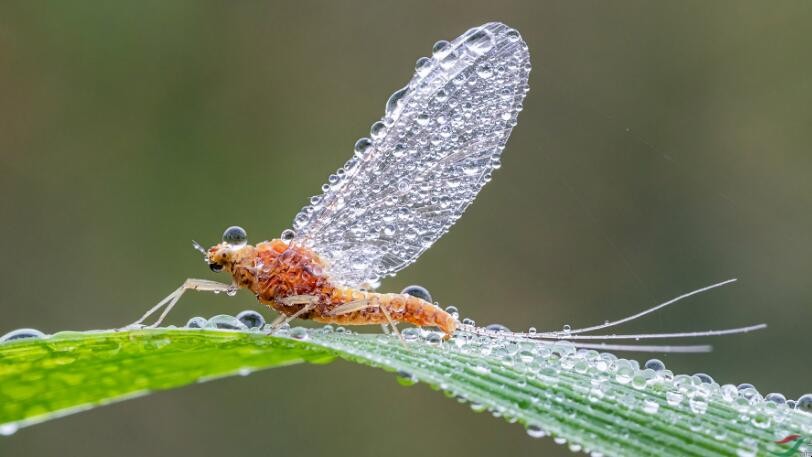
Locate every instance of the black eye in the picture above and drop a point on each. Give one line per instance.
(216, 267)
(235, 236)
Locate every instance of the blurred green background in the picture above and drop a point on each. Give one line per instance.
(663, 147)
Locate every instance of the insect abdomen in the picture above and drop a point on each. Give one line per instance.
(400, 307)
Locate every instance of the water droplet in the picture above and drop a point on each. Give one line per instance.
(9, 429)
(704, 378)
(513, 35)
(497, 328)
(225, 322)
(484, 70)
(449, 60)
(650, 406)
(378, 130)
(566, 329)
(235, 236)
(673, 398)
(479, 42)
(777, 398)
(196, 322)
(440, 49)
(287, 235)
(804, 403)
(535, 431)
(655, 364)
(434, 339)
(423, 66)
(394, 106)
(417, 291)
(251, 319)
(362, 146)
(410, 334)
(21, 333)
(405, 378)
(441, 96)
(299, 333)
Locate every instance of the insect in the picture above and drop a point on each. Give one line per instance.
(424, 162)
(437, 145)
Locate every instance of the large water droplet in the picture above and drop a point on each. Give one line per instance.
(440, 49)
(417, 291)
(535, 431)
(235, 236)
(423, 66)
(378, 130)
(225, 322)
(394, 106)
(804, 403)
(251, 319)
(362, 146)
(287, 235)
(196, 322)
(21, 333)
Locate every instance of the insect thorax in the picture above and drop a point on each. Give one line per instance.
(280, 270)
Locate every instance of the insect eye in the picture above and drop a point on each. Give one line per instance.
(215, 267)
(235, 236)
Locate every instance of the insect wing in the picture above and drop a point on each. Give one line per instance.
(439, 141)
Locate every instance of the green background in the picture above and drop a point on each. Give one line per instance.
(663, 147)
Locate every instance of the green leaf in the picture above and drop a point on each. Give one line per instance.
(591, 401)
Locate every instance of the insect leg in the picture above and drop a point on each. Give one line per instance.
(170, 301)
(392, 323)
(285, 319)
(352, 307)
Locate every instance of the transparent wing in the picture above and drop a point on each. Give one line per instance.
(441, 137)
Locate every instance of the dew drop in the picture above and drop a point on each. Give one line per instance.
(479, 42)
(405, 378)
(21, 333)
(650, 406)
(777, 398)
(535, 431)
(804, 403)
(484, 70)
(434, 339)
(299, 333)
(235, 236)
(440, 49)
(362, 146)
(417, 291)
(225, 322)
(394, 106)
(9, 429)
(410, 334)
(287, 235)
(423, 66)
(196, 322)
(497, 328)
(378, 130)
(655, 364)
(251, 319)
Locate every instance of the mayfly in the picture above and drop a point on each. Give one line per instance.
(437, 145)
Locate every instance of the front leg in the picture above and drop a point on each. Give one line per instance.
(203, 285)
